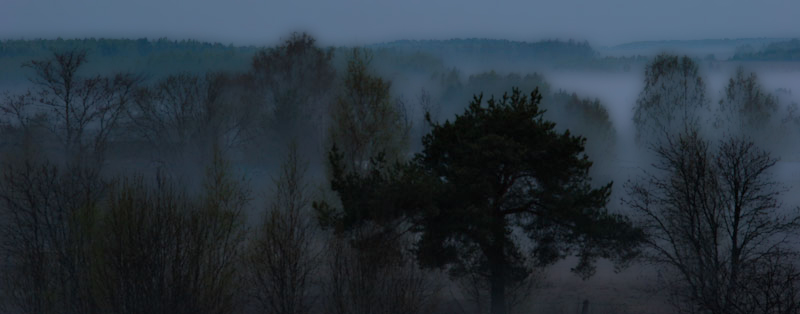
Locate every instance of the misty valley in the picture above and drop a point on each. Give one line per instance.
(412, 176)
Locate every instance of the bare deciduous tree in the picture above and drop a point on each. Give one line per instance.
(283, 258)
(187, 112)
(82, 111)
(716, 226)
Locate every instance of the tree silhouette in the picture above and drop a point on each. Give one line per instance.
(713, 220)
(672, 98)
(493, 171)
(293, 81)
(83, 111)
(746, 108)
(365, 119)
(282, 257)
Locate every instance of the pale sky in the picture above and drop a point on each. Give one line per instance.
(344, 22)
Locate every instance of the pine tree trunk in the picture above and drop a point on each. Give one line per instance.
(498, 291)
(497, 266)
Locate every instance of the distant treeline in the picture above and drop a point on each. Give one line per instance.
(551, 50)
(157, 58)
(778, 51)
(162, 56)
(116, 47)
(725, 42)
(569, 54)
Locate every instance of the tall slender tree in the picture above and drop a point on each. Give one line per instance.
(283, 259)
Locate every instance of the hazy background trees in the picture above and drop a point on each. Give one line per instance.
(673, 99)
(293, 85)
(365, 120)
(745, 107)
(586, 117)
(186, 115)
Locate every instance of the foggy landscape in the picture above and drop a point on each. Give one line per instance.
(361, 157)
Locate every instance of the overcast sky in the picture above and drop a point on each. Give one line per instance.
(259, 22)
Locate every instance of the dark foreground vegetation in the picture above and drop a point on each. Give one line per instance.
(134, 192)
